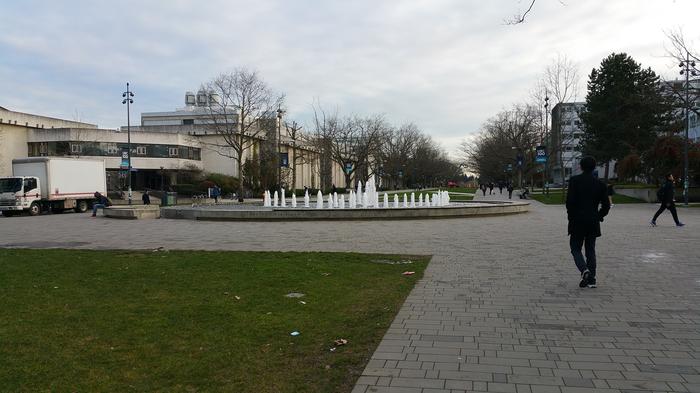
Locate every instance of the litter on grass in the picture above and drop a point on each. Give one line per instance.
(339, 342)
(294, 295)
(294, 333)
(408, 273)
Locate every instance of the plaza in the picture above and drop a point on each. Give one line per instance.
(499, 308)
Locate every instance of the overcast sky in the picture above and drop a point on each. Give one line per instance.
(446, 65)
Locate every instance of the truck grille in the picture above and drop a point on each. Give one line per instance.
(7, 202)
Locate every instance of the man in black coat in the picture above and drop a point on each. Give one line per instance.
(586, 194)
(667, 199)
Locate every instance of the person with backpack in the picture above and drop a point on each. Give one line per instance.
(665, 195)
(587, 204)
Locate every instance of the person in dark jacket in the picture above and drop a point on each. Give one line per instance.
(101, 201)
(510, 190)
(666, 194)
(586, 204)
(146, 198)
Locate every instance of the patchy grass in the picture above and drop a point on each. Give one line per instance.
(557, 198)
(193, 321)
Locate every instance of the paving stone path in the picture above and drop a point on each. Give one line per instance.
(499, 308)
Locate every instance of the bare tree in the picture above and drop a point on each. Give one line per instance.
(519, 17)
(239, 103)
(325, 125)
(355, 141)
(397, 151)
(300, 156)
(501, 139)
(681, 51)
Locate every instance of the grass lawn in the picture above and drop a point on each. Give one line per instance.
(469, 190)
(556, 198)
(120, 321)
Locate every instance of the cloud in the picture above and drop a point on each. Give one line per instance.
(446, 65)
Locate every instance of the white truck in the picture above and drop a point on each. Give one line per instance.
(53, 184)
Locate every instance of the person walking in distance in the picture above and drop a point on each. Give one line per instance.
(666, 197)
(587, 204)
(510, 190)
(483, 188)
(490, 188)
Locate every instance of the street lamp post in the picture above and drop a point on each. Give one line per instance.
(279, 147)
(688, 68)
(546, 120)
(128, 101)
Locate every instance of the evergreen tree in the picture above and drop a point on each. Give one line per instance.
(625, 109)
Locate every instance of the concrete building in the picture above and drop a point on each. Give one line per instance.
(14, 131)
(565, 140)
(193, 121)
(166, 149)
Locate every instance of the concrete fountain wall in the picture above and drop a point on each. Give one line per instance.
(454, 210)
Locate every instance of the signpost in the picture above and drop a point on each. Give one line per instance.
(541, 157)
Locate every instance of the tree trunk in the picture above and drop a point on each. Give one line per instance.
(240, 177)
(348, 186)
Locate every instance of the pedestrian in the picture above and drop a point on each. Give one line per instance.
(483, 188)
(146, 198)
(490, 188)
(587, 204)
(611, 192)
(500, 187)
(510, 190)
(215, 193)
(665, 195)
(100, 202)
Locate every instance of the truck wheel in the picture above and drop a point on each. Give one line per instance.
(81, 207)
(34, 209)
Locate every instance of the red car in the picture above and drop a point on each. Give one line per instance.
(451, 184)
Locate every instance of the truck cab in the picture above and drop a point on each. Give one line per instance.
(18, 193)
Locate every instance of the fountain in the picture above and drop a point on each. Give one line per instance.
(362, 203)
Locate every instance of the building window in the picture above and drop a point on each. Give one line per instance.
(112, 149)
(141, 150)
(76, 148)
(43, 148)
(173, 151)
(188, 122)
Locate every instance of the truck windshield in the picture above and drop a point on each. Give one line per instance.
(10, 185)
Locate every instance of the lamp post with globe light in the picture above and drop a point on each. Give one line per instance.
(128, 101)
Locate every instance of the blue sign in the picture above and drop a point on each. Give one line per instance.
(125, 159)
(541, 154)
(348, 167)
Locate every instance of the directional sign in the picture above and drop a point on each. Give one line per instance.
(125, 159)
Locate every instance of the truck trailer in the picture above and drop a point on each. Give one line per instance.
(51, 184)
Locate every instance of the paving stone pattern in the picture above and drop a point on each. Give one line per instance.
(499, 308)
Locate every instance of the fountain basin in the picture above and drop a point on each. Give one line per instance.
(260, 213)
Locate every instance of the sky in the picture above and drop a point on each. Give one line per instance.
(445, 65)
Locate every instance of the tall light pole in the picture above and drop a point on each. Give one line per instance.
(545, 142)
(688, 68)
(279, 146)
(128, 101)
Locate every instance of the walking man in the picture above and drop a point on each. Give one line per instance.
(666, 197)
(510, 190)
(586, 204)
